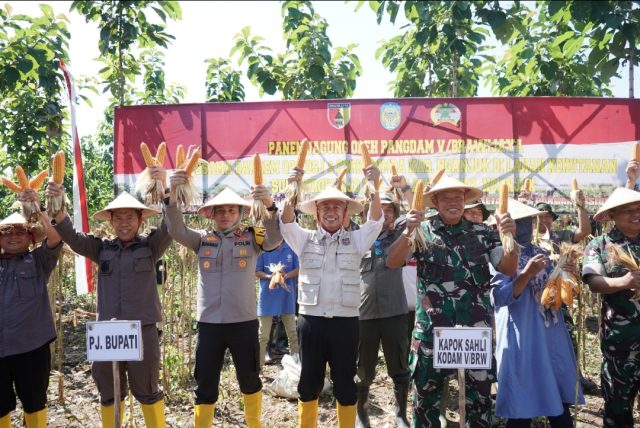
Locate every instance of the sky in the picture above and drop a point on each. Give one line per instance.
(207, 30)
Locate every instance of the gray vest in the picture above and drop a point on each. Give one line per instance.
(329, 279)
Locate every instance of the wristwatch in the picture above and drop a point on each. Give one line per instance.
(273, 207)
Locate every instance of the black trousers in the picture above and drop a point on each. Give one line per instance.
(391, 332)
(213, 340)
(328, 340)
(29, 373)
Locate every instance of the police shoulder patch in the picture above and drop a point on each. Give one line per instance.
(259, 233)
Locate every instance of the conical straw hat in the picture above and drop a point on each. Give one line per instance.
(124, 200)
(518, 210)
(620, 196)
(226, 197)
(449, 183)
(331, 193)
(17, 219)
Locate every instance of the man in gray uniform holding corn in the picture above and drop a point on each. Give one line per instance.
(226, 315)
(126, 290)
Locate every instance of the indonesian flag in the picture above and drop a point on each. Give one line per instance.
(84, 269)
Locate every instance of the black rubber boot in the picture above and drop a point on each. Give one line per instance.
(401, 392)
(362, 414)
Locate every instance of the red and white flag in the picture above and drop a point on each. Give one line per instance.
(84, 268)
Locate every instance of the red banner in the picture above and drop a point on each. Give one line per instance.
(481, 140)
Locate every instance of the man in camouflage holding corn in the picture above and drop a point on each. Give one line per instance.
(607, 273)
(453, 289)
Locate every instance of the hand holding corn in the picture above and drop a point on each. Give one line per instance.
(151, 182)
(29, 208)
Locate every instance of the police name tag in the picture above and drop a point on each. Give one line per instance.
(114, 341)
(462, 347)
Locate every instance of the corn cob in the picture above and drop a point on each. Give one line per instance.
(503, 204)
(149, 160)
(528, 186)
(161, 154)
(302, 154)
(11, 185)
(180, 157)
(437, 177)
(23, 181)
(394, 170)
(366, 157)
(636, 151)
(257, 169)
(58, 167)
(574, 185)
(343, 173)
(192, 162)
(37, 182)
(418, 196)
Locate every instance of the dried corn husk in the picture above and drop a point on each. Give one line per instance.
(151, 190)
(417, 239)
(509, 243)
(258, 210)
(561, 285)
(397, 193)
(187, 193)
(294, 190)
(618, 256)
(277, 269)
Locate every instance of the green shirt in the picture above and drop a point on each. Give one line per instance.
(454, 277)
(620, 314)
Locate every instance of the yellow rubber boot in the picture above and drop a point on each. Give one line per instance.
(108, 418)
(253, 409)
(154, 414)
(5, 421)
(346, 416)
(36, 419)
(308, 414)
(204, 415)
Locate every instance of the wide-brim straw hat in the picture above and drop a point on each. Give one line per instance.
(17, 219)
(330, 194)
(518, 210)
(620, 196)
(449, 183)
(485, 212)
(226, 197)
(124, 201)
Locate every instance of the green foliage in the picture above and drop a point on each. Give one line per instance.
(123, 26)
(155, 89)
(31, 87)
(223, 82)
(308, 69)
(439, 53)
(548, 54)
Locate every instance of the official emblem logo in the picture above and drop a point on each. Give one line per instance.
(390, 115)
(446, 113)
(206, 264)
(338, 114)
(242, 263)
(207, 252)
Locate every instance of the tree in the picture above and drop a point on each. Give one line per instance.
(123, 26)
(31, 87)
(440, 51)
(308, 69)
(548, 54)
(223, 82)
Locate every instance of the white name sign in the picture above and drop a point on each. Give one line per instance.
(114, 341)
(462, 348)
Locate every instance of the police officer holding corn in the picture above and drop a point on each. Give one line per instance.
(226, 308)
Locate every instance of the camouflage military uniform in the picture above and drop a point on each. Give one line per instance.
(453, 289)
(619, 332)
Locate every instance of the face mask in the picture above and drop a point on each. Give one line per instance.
(524, 228)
